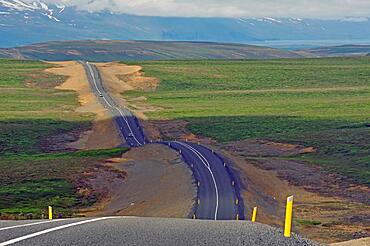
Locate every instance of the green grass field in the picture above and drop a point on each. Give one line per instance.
(31, 111)
(324, 103)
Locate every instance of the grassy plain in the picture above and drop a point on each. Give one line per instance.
(323, 103)
(32, 175)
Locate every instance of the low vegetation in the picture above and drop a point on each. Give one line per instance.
(309, 222)
(321, 103)
(32, 173)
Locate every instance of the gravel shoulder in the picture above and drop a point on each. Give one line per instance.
(154, 231)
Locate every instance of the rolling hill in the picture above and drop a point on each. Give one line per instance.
(338, 51)
(141, 50)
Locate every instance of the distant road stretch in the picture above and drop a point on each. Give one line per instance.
(218, 192)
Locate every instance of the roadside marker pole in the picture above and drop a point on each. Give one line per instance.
(50, 209)
(254, 214)
(237, 216)
(198, 201)
(198, 183)
(288, 217)
(194, 217)
(236, 201)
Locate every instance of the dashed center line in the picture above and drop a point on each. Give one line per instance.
(207, 165)
(112, 107)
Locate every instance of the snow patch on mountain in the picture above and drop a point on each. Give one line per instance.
(16, 5)
(61, 8)
(39, 6)
(269, 19)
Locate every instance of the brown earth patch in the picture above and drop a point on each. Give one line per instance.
(267, 148)
(119, 78)
(95, 183)
(316, 199)
(174, 129)
(102, 135)
(357, 242)
(158, 184)
(315, 179)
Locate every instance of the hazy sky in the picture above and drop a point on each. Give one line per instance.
(324, 9)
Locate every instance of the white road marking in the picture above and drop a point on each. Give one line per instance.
(30, 224)
(129, 127)
(32, 235)
(118, 109)
(207, 165)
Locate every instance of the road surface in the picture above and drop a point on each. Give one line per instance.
(142, 231)
(218, 192)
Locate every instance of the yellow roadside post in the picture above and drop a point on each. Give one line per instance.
(236, 201)
(254, 214)
(237, 216)
(50, 209)
(288, 217)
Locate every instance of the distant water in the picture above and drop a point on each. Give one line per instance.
(306, 44)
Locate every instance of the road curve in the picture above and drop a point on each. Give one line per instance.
(218, 192)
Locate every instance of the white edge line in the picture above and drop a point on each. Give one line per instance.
(15, 240)
(122, 114)
(201, 157)
(30, 224)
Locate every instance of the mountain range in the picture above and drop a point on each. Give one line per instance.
(24, 23)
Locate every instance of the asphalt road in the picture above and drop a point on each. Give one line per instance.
(217, 201)
(143, 231)
(218, 192)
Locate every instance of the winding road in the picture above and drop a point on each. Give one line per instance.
(218, 192)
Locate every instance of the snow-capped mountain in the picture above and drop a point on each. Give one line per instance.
(24, 23)
(29, 10)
